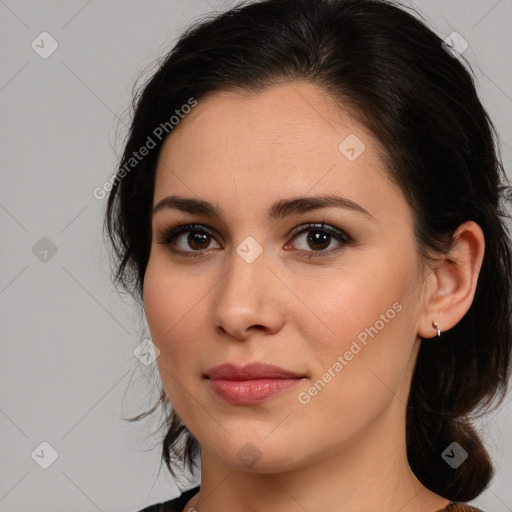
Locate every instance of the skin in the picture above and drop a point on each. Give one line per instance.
(344, 450)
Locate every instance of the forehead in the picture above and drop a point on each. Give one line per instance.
(284, 120)
(285, 139)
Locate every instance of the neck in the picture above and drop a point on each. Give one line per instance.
(368, 474)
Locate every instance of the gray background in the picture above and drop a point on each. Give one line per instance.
(68, 374)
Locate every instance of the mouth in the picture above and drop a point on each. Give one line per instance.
(250, 384)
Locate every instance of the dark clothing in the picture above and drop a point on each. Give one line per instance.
(177, 504)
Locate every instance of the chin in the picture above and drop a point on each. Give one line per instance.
(257, 454)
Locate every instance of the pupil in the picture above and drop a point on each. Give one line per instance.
(196, 240)
(320, 239)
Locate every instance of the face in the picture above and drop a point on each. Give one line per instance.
(301, 255)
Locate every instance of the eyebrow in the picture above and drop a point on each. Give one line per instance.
(278, 210)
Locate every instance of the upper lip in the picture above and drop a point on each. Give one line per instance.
(250, 371)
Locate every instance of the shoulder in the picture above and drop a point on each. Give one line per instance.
(175, 505)
(460, 507)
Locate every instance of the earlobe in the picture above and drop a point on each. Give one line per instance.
(454, 281)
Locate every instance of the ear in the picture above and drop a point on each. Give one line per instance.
(451, 286)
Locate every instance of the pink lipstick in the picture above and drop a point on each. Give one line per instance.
(250, 384)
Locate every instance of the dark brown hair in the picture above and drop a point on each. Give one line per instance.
(394, 74)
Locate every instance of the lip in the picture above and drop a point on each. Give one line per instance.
(250, 371)
(250, 384)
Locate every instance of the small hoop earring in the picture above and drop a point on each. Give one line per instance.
(435, 326)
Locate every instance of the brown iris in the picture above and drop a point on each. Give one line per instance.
(319, 239)
(198, 240)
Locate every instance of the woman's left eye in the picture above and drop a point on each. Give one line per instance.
(314, 240)
(320, 240)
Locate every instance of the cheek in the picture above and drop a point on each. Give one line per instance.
(359, 327)
(174, 305)
(344, 302)
(358, 372)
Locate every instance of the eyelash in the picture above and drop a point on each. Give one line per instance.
(171, 232)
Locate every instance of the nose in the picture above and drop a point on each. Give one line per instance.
(249, 299)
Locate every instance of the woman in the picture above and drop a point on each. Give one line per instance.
(308, 206)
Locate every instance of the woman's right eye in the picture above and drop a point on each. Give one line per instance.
(188, 240)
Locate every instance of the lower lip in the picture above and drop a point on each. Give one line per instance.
(244, 392)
